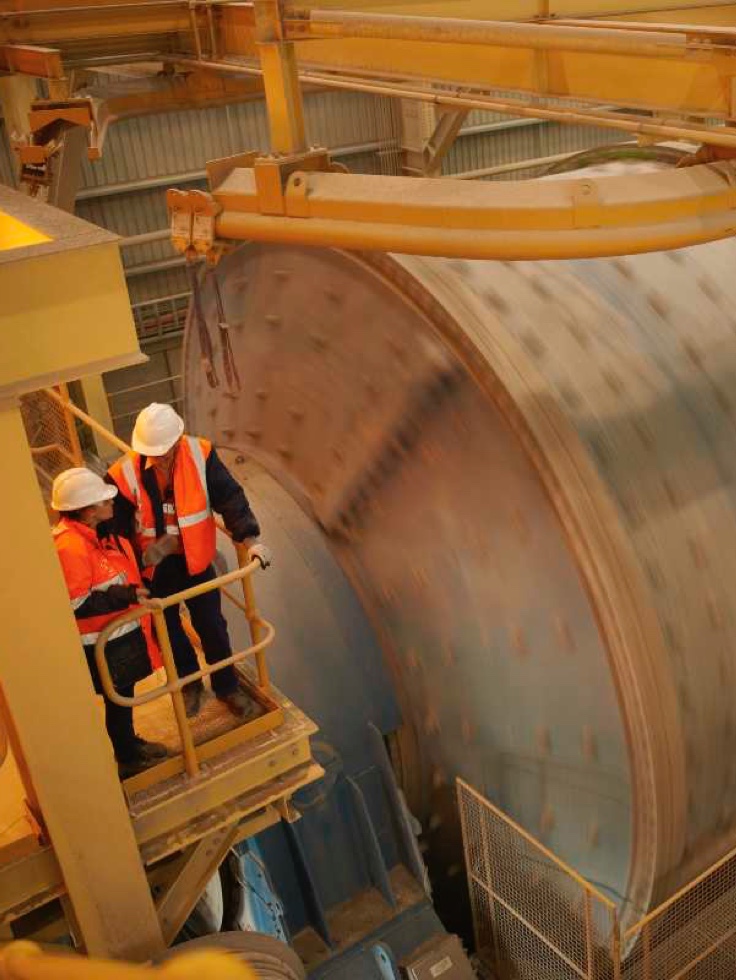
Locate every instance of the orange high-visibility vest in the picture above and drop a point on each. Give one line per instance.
(90, 566)
(192, 518)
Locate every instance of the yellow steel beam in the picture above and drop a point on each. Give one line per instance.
(653, 70)
(177, 901)
(30, 60)
(280, 80)
(689, 72)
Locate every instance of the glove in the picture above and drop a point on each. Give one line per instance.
(161, 548)
(262, 552)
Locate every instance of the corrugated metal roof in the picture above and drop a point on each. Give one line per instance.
(170, 282)
(523, 142)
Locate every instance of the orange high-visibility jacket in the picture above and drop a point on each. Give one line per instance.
(89, 566)
(194, 518)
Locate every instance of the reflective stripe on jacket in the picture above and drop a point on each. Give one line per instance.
(193, 519)
(89, 567)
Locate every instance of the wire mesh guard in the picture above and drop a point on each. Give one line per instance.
(693, 935)
(537, 919)
(52, 436)
(534, 917)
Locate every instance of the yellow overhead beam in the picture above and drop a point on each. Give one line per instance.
(666, 70)
(469, 43)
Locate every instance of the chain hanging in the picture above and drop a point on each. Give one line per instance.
(205, 341)
(228, 358)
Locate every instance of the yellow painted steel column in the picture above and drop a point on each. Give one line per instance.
(98, 406)
(280, 80)
(59, 723)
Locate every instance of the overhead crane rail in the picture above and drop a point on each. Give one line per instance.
(658, 81)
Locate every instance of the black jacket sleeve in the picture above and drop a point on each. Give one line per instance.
(114, 599)
(123, 515)
(228, 499)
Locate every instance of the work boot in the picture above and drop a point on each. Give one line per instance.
(142, 755)
(150, 751)
(193, 698)
(239, 704)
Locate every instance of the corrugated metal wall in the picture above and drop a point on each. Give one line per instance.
(488, 140)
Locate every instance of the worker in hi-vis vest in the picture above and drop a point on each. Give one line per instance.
(171, 485)
(103, 581)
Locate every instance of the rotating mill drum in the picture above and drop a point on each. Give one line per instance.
(526, 471)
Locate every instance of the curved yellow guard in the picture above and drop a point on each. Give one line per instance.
(26, 961)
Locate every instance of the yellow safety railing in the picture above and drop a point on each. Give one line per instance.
(26, 961)
(536, 917)
(174, 683)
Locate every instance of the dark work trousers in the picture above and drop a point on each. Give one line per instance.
(119, 724)
(172, 576)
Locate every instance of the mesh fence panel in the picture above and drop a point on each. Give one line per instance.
(692, 936)
(535, 916)
(52, 436)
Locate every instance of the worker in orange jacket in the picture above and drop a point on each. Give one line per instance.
(171, 485)
(103, 581)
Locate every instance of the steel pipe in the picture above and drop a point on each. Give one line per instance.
(624, 122)
(447, 30)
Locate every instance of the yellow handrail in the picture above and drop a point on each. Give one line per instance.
(174, 683)
(69, 406)
(27, 961)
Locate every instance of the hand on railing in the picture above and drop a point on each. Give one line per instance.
(262, 552)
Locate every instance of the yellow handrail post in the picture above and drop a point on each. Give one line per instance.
(177, 698)
(254, 622)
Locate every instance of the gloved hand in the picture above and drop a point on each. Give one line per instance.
(262, 552)
(142, 594)
(161, 548)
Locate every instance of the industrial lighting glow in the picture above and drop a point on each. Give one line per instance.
(16, 234)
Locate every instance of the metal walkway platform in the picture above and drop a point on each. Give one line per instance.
(242, 788)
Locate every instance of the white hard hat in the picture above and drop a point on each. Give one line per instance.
(79, 487)
(156, 430)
